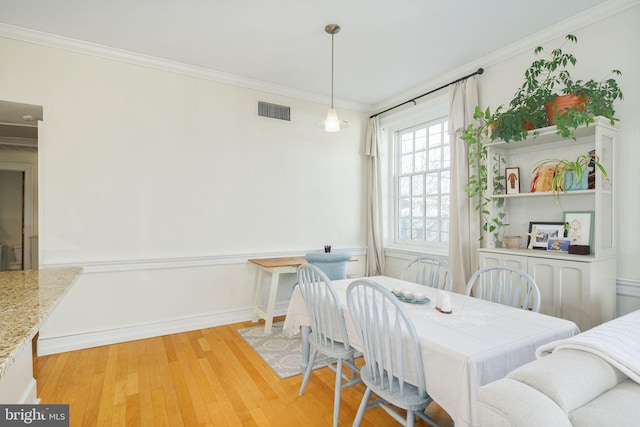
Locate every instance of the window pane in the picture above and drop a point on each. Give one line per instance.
(432, 207)
(435, 136)
(417, 185)
(435, 158)
(421, 161)
(421, 139)
(417, 207)
(407, 143)
(417, 229)
(404, 186)
(404, 229)
(445, 183)
(432, 182)
(432, 233)
(404, 208)
(446, 157)
(407, 164)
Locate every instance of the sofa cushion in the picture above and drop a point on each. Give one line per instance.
(509, 403)
(571, 378)
(618, 407)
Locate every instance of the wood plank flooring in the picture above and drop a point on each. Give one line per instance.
(209, 377)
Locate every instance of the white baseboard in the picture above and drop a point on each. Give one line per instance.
(60, 344)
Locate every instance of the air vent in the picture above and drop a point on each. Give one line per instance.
(274, 111)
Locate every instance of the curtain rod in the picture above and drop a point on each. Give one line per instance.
(477, 72)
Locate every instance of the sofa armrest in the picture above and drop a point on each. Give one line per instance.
(510, 403)
(571, 378)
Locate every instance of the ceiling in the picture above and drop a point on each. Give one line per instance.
(385, 48)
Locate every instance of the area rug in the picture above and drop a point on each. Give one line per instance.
(282, 354)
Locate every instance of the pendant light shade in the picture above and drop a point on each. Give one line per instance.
(332, 122)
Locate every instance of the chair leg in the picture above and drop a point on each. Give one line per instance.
(411, 418)
(307, 372)
(362, 408)
(336, 393)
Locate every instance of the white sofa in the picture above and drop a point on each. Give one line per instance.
(592, 379)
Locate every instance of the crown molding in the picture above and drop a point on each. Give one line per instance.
(121, 55)
(588, 17)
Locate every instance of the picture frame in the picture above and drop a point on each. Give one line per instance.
(580, 227)
(512, 180)
(540, 232)
(558, 244)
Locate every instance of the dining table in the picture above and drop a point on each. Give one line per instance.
(476, 343)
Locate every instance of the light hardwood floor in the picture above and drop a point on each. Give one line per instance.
(209, 377)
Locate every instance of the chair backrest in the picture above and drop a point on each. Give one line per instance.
(505, 285)
(323, 306)
(429, 271)
(389, 340)
(333, 264)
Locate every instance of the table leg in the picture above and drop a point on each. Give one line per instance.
(257, 301)
(271, 302)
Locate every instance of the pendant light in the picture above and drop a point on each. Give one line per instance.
(333, 123)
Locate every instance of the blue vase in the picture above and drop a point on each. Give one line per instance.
(571, 183)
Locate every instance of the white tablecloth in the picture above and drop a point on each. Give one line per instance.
(478, 343)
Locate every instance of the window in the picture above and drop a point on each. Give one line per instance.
(422, 182)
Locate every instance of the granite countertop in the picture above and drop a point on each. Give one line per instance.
(27, 298)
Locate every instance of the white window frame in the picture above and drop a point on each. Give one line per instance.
(428, 111)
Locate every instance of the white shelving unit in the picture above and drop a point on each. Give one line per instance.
(580, 288)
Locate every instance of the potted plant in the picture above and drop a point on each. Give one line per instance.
(568, 103)
(571, 175)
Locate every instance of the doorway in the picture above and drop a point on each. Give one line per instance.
(19, 125)
(16, 217)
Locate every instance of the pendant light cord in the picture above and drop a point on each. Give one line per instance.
(332, 70)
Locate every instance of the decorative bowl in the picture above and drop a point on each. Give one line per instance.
(512, 242)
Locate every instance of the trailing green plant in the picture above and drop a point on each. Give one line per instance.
(476, 136)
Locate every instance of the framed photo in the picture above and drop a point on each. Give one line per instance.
(541, 232)
(580, 227)
(512, 176)
(558, 244)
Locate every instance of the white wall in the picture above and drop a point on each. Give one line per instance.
(163, 184)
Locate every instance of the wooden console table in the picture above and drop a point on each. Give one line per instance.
(275, 266)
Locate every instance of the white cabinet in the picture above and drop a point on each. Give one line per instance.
(574, 287)
(581, 288)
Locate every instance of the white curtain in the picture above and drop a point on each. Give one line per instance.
(375, 251)
(464, 239)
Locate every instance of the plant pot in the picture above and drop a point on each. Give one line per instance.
(563, 103)
(571, 182)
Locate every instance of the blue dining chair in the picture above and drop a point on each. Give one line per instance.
(328, 330)
(333, 264)
(429, 271)
(391, 349)
(505, 285)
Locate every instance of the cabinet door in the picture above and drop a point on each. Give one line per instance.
(491, 258)
(564, 289)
